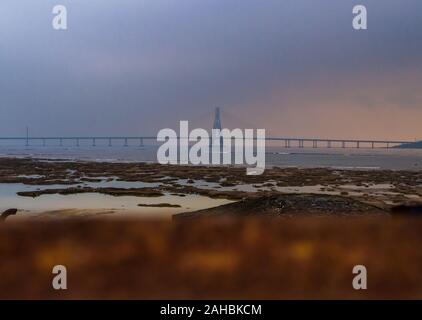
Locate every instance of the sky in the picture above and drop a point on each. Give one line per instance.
(296, 68)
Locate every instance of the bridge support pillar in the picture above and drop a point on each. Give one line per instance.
(141, 142)
(93, 142)
(315, 144)
(358, 144)
(300, 143)
(43, 142)
(373, 145)
(77, 142)
(343, 144)
(328, 144)
(109, 142)
(126, 142)
(61, 142)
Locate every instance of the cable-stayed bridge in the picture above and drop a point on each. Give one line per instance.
(287, 142)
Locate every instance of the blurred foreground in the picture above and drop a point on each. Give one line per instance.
(307, 258)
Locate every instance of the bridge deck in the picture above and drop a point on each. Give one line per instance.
(288, 141)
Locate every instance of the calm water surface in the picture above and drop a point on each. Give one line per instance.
(396, 159)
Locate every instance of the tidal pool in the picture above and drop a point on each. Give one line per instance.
(86, 203)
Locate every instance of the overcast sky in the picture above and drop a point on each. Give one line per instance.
(294, 67)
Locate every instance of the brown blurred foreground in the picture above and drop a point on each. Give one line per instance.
(212, 259)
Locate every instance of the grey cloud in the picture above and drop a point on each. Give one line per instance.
(129, 66)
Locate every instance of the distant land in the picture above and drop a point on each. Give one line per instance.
(412, 145)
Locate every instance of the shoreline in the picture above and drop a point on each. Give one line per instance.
(152, 184)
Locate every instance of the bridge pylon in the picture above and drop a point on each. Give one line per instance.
(217, 119)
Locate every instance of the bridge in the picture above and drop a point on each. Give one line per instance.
(126, 141)
(287, 142)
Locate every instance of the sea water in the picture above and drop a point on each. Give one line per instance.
(395, 159)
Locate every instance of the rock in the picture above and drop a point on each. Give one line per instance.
(160, 205)
(289, 205)
(137, 192)
(7, 213)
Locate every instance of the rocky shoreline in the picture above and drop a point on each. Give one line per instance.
(289, 206)
(318, 191)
